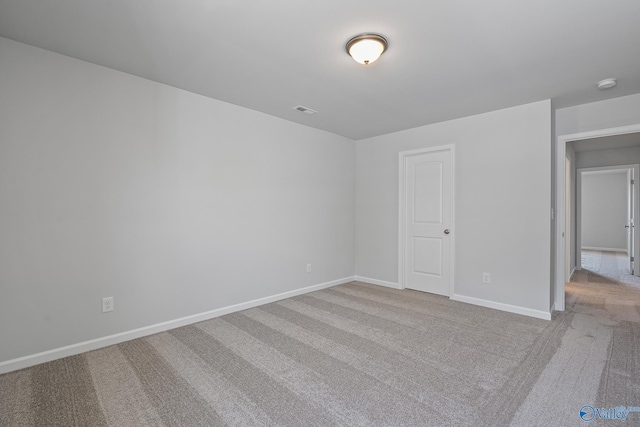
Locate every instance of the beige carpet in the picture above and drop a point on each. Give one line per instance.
(354, 354)
(605, 267)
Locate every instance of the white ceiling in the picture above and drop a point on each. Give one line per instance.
(446, 59)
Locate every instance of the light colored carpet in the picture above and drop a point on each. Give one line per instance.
(352, 355)
(605, 267)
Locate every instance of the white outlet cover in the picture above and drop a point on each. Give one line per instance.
(107, 304)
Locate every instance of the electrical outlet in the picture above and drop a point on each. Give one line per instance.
(308, 268)
(107, 304)
(486, 278)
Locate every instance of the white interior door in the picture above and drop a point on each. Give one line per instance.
(427, 222)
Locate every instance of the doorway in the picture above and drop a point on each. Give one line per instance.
(567, 221)
(561, 228)
(426, 230)
(607, 204)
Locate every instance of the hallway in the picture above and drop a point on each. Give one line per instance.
(605, 283)
(597, 362)
(605, 267)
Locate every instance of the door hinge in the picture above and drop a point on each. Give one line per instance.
(633, 258)
(633, 181)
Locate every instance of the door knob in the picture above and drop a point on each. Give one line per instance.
(446, 231)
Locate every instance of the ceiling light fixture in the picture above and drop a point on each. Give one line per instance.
(606, 83)
(366, 48)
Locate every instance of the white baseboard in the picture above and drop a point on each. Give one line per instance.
(377, 282)
(70, 350)
(504, 307)
(470, 300)
(597, 248)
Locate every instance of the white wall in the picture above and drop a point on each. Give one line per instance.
(604, 210)
(173, 203)
(609, 157)
(616, 112)
(502, 203)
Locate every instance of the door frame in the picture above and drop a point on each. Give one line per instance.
(636, 230)
(568, 235)
(561, 150)
(403, 156)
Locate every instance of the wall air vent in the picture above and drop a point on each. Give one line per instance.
(305, 110)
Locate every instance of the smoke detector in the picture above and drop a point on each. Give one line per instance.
(606, 83)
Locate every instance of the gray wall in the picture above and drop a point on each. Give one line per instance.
(604, 210)
(622, 111)
(610, 157)
(177, 204)
(502, 203)
(173, 203)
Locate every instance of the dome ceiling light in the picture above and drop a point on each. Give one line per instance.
(366, 48)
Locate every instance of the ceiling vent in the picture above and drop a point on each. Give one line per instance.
(305, 110)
